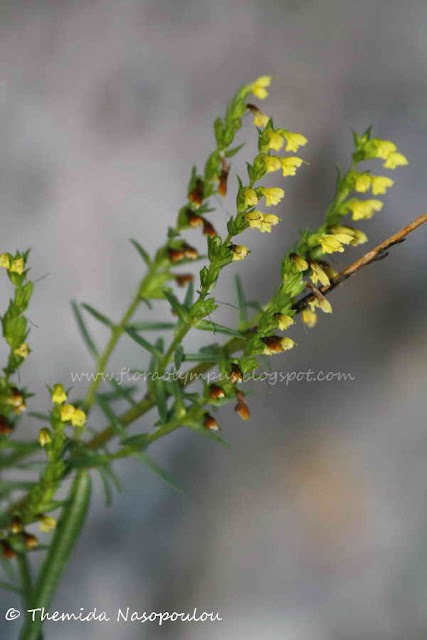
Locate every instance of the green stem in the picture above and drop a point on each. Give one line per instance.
(26, 578)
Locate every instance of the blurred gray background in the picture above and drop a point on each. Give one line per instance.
(312, 526)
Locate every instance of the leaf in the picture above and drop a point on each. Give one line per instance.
(179, 356)
(189, 295)
(142, 252)
(161, 399)
(232, 152)
(83, 330)
(141, 440)
(241, 301)
(179, 309)
(97, 315)
(207, 325)
(151, 326)
(143, 343)
(209, 434)
(111, 417)
(45, 417)
(201, 356)
(61, 547)
(121, 391)
(164, 475)
(106, 485)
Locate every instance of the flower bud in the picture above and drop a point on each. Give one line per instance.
(236, 374)
(210, 423)
(216, 392)
(183, 278)
(30, 541)
(45, 436)
(47, 523)
(196, 195)
(58, 394)
(7, 550)
(242, 410)
(5, 426)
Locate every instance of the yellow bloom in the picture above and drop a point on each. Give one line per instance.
(380, 184)
(287, 343)
(239, 251)
(290, 165)
(381, 148)
(47, 523)
(362, 182)
(260, 119)
(309, 318)
(284, 321)
(334, 242)
(322, 303)
(254, 219)
(66, 412)
(275, 140)
(269, 220)
(58, 394)
(395, 160)
(78, 418)
(318, 274)
(272, 195)
(22, 351)
(363, 209)
(294, 140)
(359, 237)
(5, 260)
(300, 262)
(250, 197)
(275, 344)
(271, 163)
(17, 266)
(259, 87)
(45, 437)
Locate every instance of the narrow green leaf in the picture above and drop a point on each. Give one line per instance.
(83, 330)
(143, 342)
(62, 545)
(125, 392)
(164, 475)
(189, 295)
(97, 315)
(179, 356)
(106, 486)
(161, 399)
(232, 152)
(241, 301)
(151, 326)
(201, 356)
(205, 432)
(141, 440)
(207, 325)
(111, 417)
(179, 309)
(142, 252)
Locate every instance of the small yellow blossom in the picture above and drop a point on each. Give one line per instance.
(5, 260)
(47, 523)
(78, 419)
(362, 182)
(284, 321)
(290, 165)
(275, 140)
(358, 237)
(45, 437)
(254, 219)
(272, 195)
(58, 394)
(66, 412)
(300, 263)
(17, 401)
(250, 198)
(318, 274)
(380, 184)
(309, 318)
(395, 160)
(294, 140)
(271, 163)
(363, 209)
(275, 344)
(322, 303)
(381, 148)
(17, 266)
(260, 119)
(259, 87)
(334, 242)
(22, 351)
(239, 251)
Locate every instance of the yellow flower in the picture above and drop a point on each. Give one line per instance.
(284, 321)
(362, 182)
(259, 87)
(58, 394)
(78, 419)
(271, 163)
(275, 140)
(260, 119)
(294, 140)
(287, 343)
(5, 260)
(45, 437)
(290, 165)
(309, 318)
(22, 351)
(239, 251)
(269, 220)
(272, 195)
(275, 344)
(17, 266)
(381, 148)
(334, 242)
(395, 160)
(300, 263)
(66, 412)
(322, 303)
(380, 184)
(254, 219)
(318, 274)
(358, 237)
(47, 523)
(363, 209)
(250, 198)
